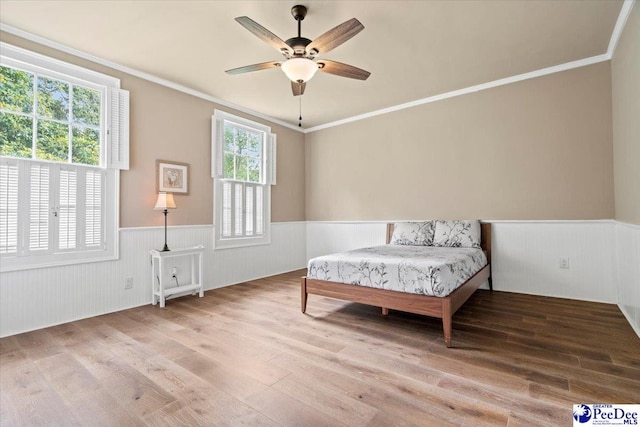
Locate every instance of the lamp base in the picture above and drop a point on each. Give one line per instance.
(166, 248)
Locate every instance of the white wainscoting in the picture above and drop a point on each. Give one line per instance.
(526, 254)
(627, 243)
(604, 265)
(526, 259)
(326, 237)
(285, 253)
(34, 299)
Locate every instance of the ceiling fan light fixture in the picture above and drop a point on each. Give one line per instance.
(299, 69)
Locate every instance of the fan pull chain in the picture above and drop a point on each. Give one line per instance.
(300, 117)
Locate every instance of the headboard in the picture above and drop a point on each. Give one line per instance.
(485, 237)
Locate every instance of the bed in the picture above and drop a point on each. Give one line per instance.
(427, 299)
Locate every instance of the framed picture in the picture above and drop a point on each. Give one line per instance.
(172, 177)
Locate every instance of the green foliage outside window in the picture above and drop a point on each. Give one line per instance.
(65, 131)
(16, 90)
(53, 99)
(242, 154)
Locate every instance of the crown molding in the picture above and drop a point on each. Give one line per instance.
(620, 23)
(615, 37)
(471, 89)
(625, 11)
(141, 74)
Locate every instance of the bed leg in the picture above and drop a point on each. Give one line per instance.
(490, 283)
(303, 294)
(385, 311)
(446, 322)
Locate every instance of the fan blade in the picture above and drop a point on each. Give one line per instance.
(254, 67)
(336, 36)
(263, 34)
(298, 88)
(343, 70)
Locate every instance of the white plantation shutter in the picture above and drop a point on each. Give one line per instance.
(249, 210)
(271, 159)
(40, 207)
(118, 133)
(259, 211)
(67, 209)
(8, 207)
(217, 134)
(63, 210)
(226, 209)
(238, 214)
(93, 208)
(242, 209)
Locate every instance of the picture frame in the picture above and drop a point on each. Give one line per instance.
(172, 177)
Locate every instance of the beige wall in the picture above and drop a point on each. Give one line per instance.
(625, 76)
(170, 125)
(537, 149)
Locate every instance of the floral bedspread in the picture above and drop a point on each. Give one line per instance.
(424, 270)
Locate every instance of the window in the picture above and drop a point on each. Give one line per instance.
(63, 137)
(243, 169)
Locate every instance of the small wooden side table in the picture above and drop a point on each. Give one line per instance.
(159, 288)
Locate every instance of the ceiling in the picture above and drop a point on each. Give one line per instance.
(413, 49)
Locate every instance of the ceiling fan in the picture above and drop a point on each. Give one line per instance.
(302, 54)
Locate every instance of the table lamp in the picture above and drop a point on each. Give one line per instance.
(165, 202)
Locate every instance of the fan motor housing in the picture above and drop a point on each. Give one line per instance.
(298, 44)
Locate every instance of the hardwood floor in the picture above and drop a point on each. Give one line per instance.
(245, 355)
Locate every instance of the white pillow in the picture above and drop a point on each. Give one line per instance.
(412, 233)
(457, 234)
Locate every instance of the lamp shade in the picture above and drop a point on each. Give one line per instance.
(165, 201)
(299, 69)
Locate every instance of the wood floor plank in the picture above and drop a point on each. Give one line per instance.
(359, 385)
(199, 400)
(386, 419)
(28, 398)
(235, 360)
(348, 410)
(628, 359)
(491, 396)
(519, 419)
(159, 343)
(610, 368)
(83, 393)
(8, 345)
(233, 382)
(132, 389)
(286, 410)
(38, 344)
(182, 413)
(246, 355)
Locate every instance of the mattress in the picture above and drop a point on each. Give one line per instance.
(423, 270)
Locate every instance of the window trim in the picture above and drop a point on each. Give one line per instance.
(20, 58)
(29, 61)
(268, 164)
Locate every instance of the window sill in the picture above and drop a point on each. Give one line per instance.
(8, 264)
(240, 242)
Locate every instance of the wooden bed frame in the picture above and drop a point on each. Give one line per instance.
(440, 307)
